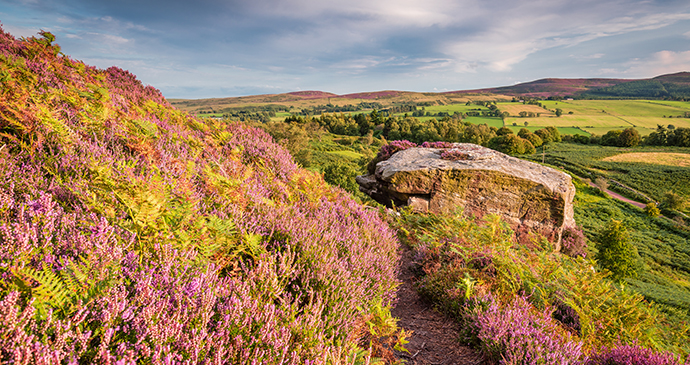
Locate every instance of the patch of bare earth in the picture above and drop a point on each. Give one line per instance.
(435, 338)
(657, 158)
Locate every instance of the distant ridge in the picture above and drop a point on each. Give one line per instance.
(550, 87)
(312, 94)
(669, 86)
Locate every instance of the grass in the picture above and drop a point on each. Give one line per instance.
(348, 154)
(664, 248)
(600, 116)
(491, 122)
(655, 158)
(592, 161)
(515, 108)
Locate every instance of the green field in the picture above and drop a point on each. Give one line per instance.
(491, 122)
(601, 116)
(452, 108)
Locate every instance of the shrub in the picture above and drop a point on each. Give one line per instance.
(455, 155)
(438, 144)
(673, 200)
(342, 174)
(616, 253)
(518, 334)
(387, 151)
(631, 355)
(652, 210)
(573, 242)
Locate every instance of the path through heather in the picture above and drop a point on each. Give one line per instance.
(435, 338)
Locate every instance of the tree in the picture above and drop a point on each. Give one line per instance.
(503, 131)
(534, 139)
(611, 138)
(616, 253)
(629, 138)
(549, 134)
(512, 145)
(652, 210)
(673, 201)
(559, 112)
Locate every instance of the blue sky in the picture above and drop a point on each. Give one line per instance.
(221, 48)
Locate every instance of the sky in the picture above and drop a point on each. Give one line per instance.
(223, 48)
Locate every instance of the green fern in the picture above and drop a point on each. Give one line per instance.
(50, 292)
(65, 291)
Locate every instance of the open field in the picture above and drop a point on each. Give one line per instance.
(592, 116)
(491, 122)
(515, 108)
(656, 158)
(308, 99)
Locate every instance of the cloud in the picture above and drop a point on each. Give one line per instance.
(663, 62)
(336, 45)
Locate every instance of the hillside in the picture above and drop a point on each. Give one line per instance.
(134, 233)
(545, 88)
(131, 232)
(665, 86)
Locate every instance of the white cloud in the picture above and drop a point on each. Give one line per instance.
(659, 63)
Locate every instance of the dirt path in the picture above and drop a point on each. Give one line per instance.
(435, 338)
(621, 197)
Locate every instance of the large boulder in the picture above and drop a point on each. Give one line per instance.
(477, 181)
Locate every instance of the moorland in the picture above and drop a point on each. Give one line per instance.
(135, 229)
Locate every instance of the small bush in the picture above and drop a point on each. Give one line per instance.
(455, 155)
(631, 355)
(518, 334)
(439, 144)
(616, 253)
(652, 210)
(573, 242)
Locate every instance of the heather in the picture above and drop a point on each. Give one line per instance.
(521, 302)
(131, 232)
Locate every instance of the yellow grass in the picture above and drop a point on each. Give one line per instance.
(515, 108)
(657, 158)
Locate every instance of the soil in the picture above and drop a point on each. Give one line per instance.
(434, 338)
(620, 197)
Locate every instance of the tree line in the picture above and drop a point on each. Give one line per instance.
(630, 137)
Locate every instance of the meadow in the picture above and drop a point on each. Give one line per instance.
(600, 116)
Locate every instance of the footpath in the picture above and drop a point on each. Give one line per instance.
(620, 197)
(434, 338)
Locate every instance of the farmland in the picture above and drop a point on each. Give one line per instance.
(601, 116)
(584, 117)
(656, 158)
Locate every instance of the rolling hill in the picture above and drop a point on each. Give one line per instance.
(672, 86)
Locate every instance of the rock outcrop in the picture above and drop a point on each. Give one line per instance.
(478, 181)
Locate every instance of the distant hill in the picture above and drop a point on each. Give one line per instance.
(551, 87)
(665, 86)
(675, 85)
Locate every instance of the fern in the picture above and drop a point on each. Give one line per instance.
(65, 291)
(50, 292)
